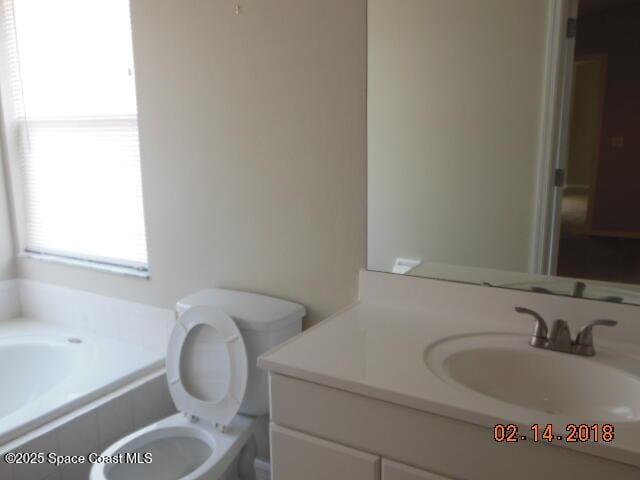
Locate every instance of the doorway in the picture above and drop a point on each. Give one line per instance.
(599, 234)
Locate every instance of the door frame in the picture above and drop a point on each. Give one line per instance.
(603, 60)
(554, 135)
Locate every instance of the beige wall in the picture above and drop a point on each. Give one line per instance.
(253, 137)
(455, 90)
(253, 151)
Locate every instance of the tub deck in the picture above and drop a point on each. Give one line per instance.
(49, 370)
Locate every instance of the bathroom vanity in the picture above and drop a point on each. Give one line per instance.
(470, 179)
(379, 391)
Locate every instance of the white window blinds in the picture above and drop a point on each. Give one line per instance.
(74, 121)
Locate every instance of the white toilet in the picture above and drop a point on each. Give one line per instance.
(216, 386)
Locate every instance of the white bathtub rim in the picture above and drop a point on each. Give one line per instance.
(68, 417)
(72, 406)
(21, 328)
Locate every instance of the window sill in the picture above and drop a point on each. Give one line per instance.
(76, 262)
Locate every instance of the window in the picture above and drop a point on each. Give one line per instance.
(72, 131)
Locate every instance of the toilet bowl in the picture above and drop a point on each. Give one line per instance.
(179, 449)
(216, 387)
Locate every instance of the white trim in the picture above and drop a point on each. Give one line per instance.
(93, 265)
(552, 143)
(564, 125)
(8, 147)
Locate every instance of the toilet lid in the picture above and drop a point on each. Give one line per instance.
(207, 365)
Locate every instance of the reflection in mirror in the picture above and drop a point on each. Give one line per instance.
(503, 143)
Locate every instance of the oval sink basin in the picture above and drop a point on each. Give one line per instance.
(504, 367)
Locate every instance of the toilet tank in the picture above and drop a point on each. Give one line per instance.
(264, 322)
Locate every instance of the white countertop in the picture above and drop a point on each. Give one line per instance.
(377, 351)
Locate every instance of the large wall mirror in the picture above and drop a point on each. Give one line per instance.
(504, 143)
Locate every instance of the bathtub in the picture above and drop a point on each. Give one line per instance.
(49, 370)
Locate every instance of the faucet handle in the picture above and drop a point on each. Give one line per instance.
(584, 340)
(540, 330)
(585, 335)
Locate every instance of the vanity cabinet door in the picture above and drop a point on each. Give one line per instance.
(397, 471)
(296, 456)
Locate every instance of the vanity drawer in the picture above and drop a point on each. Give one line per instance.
(397, 471)
(296, 456)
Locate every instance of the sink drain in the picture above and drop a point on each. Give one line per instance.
(74, 340)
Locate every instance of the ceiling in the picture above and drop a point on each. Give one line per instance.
(593, 6)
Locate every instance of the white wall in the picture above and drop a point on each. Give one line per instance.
(455, 93)
(7, 257)
(253, 151)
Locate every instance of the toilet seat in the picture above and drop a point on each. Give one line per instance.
(207, 365)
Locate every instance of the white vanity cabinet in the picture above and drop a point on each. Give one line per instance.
(323, 433)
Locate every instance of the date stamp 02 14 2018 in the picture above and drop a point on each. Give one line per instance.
(571, 433)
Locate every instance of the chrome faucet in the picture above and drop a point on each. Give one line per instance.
(559, 338)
